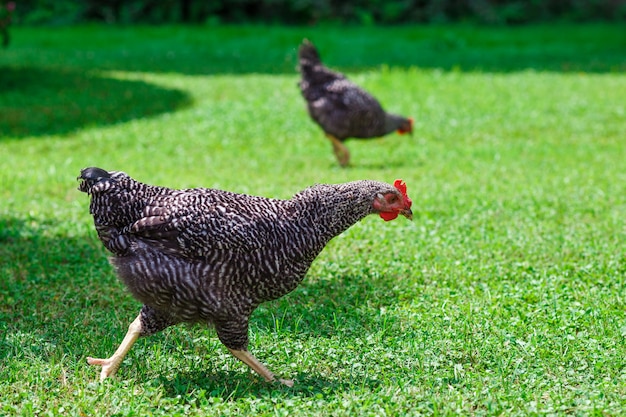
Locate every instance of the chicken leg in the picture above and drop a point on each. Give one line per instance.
(112, 364)
(254, 364)
(341, 152)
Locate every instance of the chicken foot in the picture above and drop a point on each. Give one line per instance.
(112, 364)
(341, 152)
(254, 364)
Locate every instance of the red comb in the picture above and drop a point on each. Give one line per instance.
(401, 186)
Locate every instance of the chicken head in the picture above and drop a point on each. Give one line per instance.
(392, 204)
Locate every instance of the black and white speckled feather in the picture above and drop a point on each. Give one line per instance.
(205, 255)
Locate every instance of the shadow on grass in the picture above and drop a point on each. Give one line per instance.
(233, 385)
(39, 101)
(45, 276)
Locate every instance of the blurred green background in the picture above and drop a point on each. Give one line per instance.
(314, 11)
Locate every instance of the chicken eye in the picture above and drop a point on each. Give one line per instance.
(393, 199)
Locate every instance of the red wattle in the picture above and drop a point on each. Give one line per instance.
(386, 216)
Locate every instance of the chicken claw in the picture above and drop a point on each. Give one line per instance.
(109, 366)
(341, 152)
(112, 364)
(254, 364)
(287, 382)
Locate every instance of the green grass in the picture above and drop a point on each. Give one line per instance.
(505, 296)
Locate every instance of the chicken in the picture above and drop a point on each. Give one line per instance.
(342, 109)
(209, 256)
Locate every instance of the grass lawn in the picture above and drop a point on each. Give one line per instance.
(505, 296)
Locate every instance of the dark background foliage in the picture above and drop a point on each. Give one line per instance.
(313, 11)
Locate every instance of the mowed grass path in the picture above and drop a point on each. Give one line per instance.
(504, 296)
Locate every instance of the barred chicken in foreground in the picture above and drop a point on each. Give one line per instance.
(210, 256)
(342, 109)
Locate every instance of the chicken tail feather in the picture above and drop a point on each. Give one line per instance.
(90, 177)
(307, 54)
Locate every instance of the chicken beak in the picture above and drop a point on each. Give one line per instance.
(407, 213)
